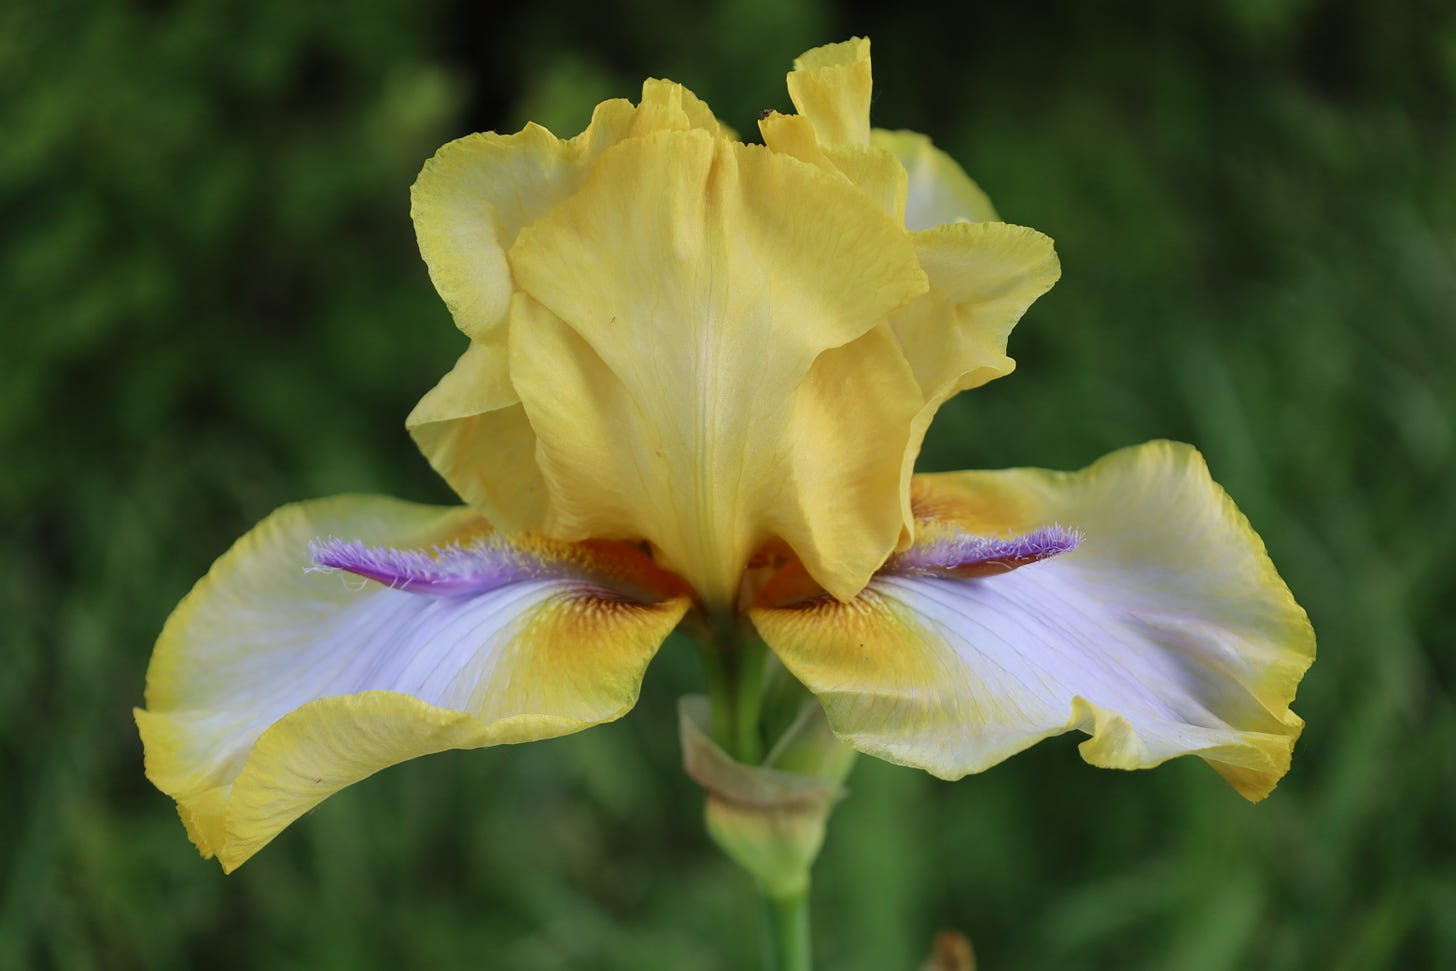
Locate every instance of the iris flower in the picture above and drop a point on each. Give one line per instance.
(698, 375)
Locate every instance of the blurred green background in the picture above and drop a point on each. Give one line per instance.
(211, 304)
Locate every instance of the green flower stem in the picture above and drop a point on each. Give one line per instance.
(734, 666)
(787, 941)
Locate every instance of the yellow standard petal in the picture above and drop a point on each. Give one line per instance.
(677, 306)
(913, 180)
(983, 274)
(473, 429)
(272, 687)
(477, 192)
(1166, 631)
(875, 171)
(939, 191)
(983, 277)
(831, 86)
(469, 203)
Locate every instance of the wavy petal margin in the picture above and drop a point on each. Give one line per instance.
(831, 86)
(1166, 632)
(473, 430)
(274, 685)
(983, 274)
(476, 194)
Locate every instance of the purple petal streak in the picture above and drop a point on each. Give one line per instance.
(444, 571)
(964, 554)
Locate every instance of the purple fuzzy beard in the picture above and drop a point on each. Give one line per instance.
(964, 554)
(444, 571)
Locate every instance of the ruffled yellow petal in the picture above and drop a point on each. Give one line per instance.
(831, 86)
(914, 181)
(272, 688)
(983, 277)
(1166, 632)
(875, 171)
(474, 431)
(668, 106)
(477, 192)
(852, 424)
(983, 274)
(678, 302)
(486, 441)
(470, 201)
(939, 191)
